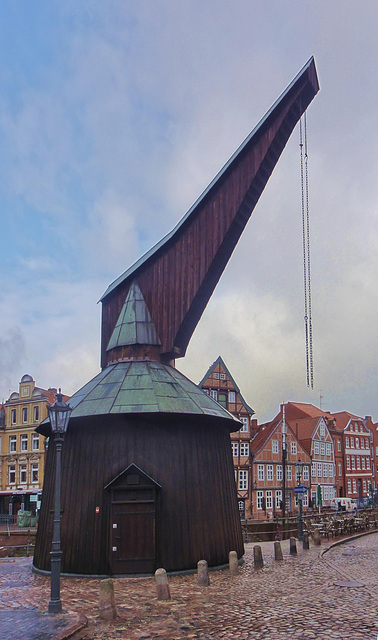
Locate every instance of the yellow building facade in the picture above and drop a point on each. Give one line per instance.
(22, 451)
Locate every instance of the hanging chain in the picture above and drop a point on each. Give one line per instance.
(306, 250)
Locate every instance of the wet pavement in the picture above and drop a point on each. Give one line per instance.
(331, 596)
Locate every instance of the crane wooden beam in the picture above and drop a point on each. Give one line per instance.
(178, 276)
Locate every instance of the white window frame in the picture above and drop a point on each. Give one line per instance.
(259, 499)
(12, 474)
(316, 448)
(314, 470)
(269, 472)
(368, 463)
(339, 445)
(289, 472)
(358, 463)
(354, 485)
(24, 415)
(12, 444)
(347, 442)
(353, 459)
(322, 429)
(269, 500)
(244, 449)
(13, 416)
(328, 449)
(23, 473)
(348, 463)
(319, 470)
(279, 474)
(339, 469)
(293, 448)
(261, 472)
(322, 448)
(24, 442)
(275, 446)
(36, 413)
(232, 397)
(35, 442)
(235, 449)
(243, 480)
(357, 443)
(35, 470)
(214, 394)
(325, 470)
(244, 428)
(278, 498)
(306, 475)
(349, 482)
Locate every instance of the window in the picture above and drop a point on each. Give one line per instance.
(243, 480)
(339, 469)
(231, 397)
(13, 416)
(36, 414)
(364, 485)
(305, 473)
(35, 441)
(331, 471)
(348, 462)
(361, 428)
(260, 495)
(244, 448)
(293, 448)
(278, 499)
(216, 376)
(305, 500)
(322, 429)
(367, 444)
(358, 462)
(368, 463)
(347, 442)
(357, 443)
(222, 376)
(24, 414)
(275, 446)
(328, 449)
(316, 448)
(12, 474)
(12, 443)
(354, 486)
(34, 472)
(269, 472)
(223, 400)
(353, 462)
(244, 428)
(279, 473)
(322, 449)
(349, 486)
(362, 443)
(25, 392)
(289, 473)
(235, 449)
(22, 473)
(269, 499)
(24, 442)
(325, 470)
(260, 472)
(339, 445)
(351, 442)
(313, 469)
(213, 394)
(320, 471)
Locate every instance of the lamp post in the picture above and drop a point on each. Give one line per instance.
(59, 416)
(298, 471)
(284, 454)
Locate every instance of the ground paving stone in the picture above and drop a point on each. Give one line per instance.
(296, 598)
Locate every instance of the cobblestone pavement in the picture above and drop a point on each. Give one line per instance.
(300, 597)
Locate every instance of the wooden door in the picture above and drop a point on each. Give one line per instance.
(133, 537)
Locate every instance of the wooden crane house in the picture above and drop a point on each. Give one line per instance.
(147, 472)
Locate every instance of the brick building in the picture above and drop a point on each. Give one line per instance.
(221, 386)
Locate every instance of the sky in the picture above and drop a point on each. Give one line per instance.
(115, 116)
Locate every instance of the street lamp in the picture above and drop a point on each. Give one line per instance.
(298, 472)
(59, 416)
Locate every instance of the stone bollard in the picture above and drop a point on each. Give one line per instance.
(317, 540)
(293, 546)
(306, 543)
(277, 551)
(203, 573)
(106, 606)
(233, 563)
(162, 586)
(257, 557)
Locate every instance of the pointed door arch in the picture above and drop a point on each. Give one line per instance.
(133, 513)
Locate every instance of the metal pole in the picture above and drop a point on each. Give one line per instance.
(55, 604)
(300, 519)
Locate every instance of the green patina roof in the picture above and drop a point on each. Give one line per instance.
(134, 325)
(143, 387)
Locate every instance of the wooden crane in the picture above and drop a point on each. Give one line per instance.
(178, 276)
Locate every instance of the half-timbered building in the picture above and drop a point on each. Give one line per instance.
(219, 384)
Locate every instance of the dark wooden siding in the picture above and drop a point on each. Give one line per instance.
(177, 281)
(191, 459)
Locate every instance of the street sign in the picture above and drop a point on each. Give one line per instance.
(300, 489)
